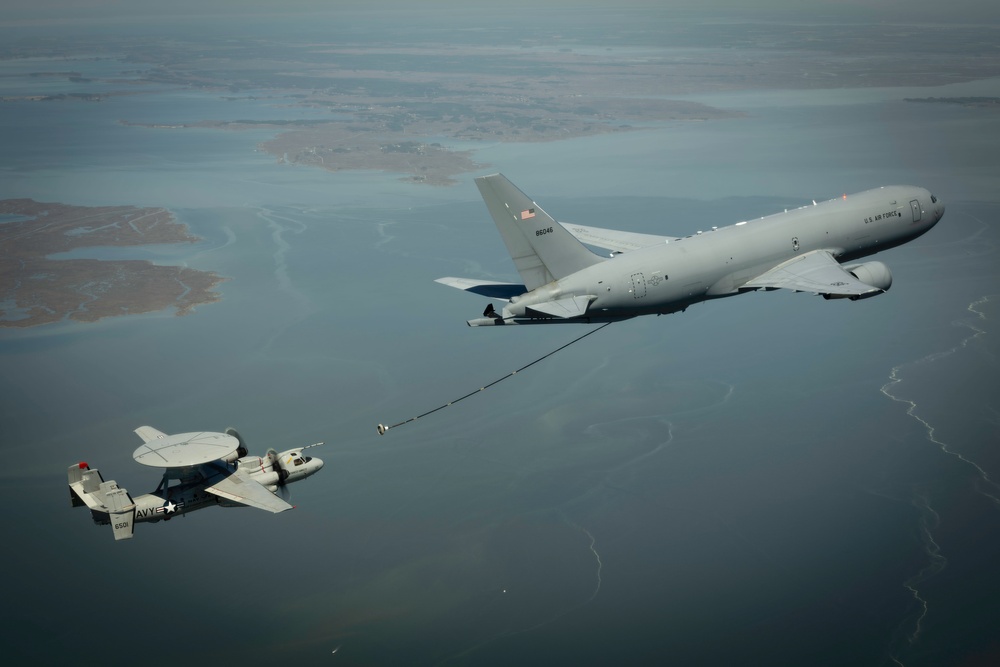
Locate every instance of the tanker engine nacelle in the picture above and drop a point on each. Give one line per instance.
(875, 274)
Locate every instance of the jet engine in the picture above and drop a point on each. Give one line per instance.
(875, 274)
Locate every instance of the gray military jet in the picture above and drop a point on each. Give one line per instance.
(808, 249)
(199, 470)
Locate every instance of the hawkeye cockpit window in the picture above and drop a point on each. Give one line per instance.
(933, 199)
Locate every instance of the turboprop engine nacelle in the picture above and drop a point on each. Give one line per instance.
(294, 465)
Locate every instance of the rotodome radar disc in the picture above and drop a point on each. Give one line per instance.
(186, 449)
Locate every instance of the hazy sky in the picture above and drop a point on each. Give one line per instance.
(904, 11)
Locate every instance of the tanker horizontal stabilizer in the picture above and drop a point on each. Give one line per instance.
(571, 306)
(487, 288)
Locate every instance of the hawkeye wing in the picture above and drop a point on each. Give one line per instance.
(240, 488)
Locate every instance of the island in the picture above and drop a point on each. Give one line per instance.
(420, 101)
(40, 289)
(421, 110)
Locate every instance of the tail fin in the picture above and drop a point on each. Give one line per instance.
(84, 484)
(108, 503)
(541, 248)
(121, 510)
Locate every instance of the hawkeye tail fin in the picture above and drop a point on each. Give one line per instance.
(107, 502)
(84, 483)
(542, 249)
(121, 510)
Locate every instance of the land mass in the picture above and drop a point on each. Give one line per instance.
(37, 289)
(409, 102)
(980, 102)
(407, 123)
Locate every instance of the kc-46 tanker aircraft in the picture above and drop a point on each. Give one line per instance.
(809, 249)
(199, 470)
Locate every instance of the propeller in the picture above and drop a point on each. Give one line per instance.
(273, 461)
(242, 449)
(283, 491)
(276, 466)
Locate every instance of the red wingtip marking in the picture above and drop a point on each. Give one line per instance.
(83, 465)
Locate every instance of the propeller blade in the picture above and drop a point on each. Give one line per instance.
(275, 461)
(242, 449)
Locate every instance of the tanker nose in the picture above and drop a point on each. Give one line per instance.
(938, 207)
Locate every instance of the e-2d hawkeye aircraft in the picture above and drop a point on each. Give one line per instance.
(199, 470)
(808, 249)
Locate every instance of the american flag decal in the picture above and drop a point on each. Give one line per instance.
(530, 213)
